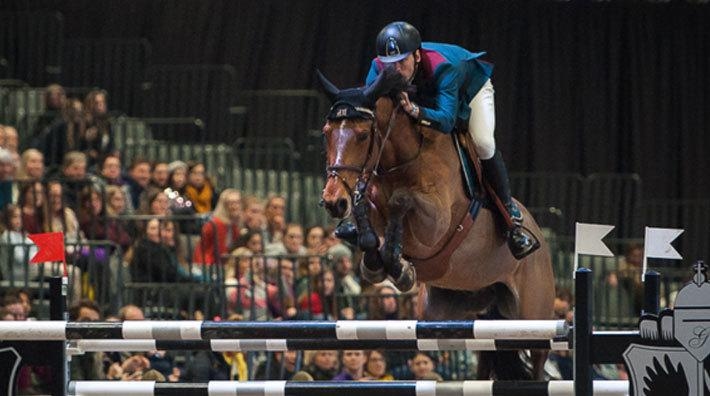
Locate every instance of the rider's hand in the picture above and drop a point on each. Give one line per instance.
(409, 107)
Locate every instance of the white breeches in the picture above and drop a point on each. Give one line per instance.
(482, 122)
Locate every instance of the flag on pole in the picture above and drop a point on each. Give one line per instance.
(657, 244)
(50, 247)
(588, 240)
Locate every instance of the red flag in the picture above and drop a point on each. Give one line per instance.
(50, 247)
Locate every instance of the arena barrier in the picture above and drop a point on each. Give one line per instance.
(49, 339)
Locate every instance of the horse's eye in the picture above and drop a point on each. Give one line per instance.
(362, 134)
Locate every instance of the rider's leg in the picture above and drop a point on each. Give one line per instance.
(481, 127)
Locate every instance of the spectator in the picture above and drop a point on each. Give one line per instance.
(54, 102)
(61, 217)
(152, 261)
(348, 283)
(421, 367)
(177, 176)
(253, 297)
(322, 365)
(275, 212)
(292, 243)
(130, 312)
(35, 211)
(74, 177)
(87, 366)
(222, 228)
(8, 168)
(138, 180)
(180, 205)
(376, 366)
(251, 240)
(200, 189)
(159, 175)
(64, 136)
(315, 240)
(254, 218)
(16, 248)
(115, 201)
(353, 364)
(383, 303)
(154, 202)
(97, 140)
(281, 367)
(10, 139)
(31, 166)
(95, 222)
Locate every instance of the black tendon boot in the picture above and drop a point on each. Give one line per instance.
(347, 231)
(520, 241)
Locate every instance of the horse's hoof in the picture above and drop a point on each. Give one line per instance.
(373, 276)
(407, 277)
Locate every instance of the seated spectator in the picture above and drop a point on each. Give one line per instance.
(180, 205)
(200, 189)
(154, 202)
(35, 211)
(89, 365)
(109, 169)
(252, 297)
(376, 366)
(315, 240)
(31, 166)
(9, 140)
(159, 175)
(115, 201)
(96, 224)
(61, 217)
(383, 303)
(221, 230)
(8, 169)
(138, 180)
(322, 365)
(97, 140)
(292, 243)
(151, 261)
(74, 177)
(275, 213)
(321, 303)
(353, 366)
(348, 283)
(422, 367)
(251, 240)
(16, 249)
(254, 219)
(277, 366)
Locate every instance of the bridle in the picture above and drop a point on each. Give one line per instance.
(365, 174)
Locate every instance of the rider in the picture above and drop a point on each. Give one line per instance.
(454, 90)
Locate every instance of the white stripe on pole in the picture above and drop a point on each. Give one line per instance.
(162, 330)
(225, 345)
(401, 330)
(137, 329)
(115, 345)
(588, 240)
(518, 329)
(657, 244)
(477, 388)
(601, 388)
(114, 388)
(221, 388)
(346, 330)
(480, 345)
(276, 345)
(33, 330)
(425, 388)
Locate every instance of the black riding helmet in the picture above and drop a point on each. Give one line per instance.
(397, 40)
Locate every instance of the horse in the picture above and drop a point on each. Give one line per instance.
(401, 182)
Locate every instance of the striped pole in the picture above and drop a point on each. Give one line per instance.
(342, 388)
(340, 330)
(248, 345)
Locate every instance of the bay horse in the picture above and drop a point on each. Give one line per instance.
(402, 184)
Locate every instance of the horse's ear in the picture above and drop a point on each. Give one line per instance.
(330, 90)
(386, 81)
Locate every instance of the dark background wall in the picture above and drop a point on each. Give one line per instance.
(581, 86)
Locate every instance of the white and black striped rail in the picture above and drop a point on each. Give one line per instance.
(248, 345)
(348, 388)
(338, 330)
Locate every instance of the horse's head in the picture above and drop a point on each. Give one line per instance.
(351, 139)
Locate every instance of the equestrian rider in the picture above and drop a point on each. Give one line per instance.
(454, 90)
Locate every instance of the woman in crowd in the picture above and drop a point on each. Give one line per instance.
(200, 189)
(31, 166)
(376, 366)
(97, 140)
(35, 211)
(221, 230)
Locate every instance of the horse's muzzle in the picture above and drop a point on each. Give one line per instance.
(338, 208)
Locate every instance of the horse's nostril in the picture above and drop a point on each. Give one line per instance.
(342, 205)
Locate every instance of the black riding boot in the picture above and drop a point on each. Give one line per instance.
(520, 241)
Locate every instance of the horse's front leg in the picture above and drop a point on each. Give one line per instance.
(372, 266)
(400, 270)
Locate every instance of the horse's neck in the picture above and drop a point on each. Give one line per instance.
(401, 138)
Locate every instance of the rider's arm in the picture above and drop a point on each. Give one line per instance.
(443, 115)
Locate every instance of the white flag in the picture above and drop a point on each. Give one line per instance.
(657, 243)
(588, 240)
